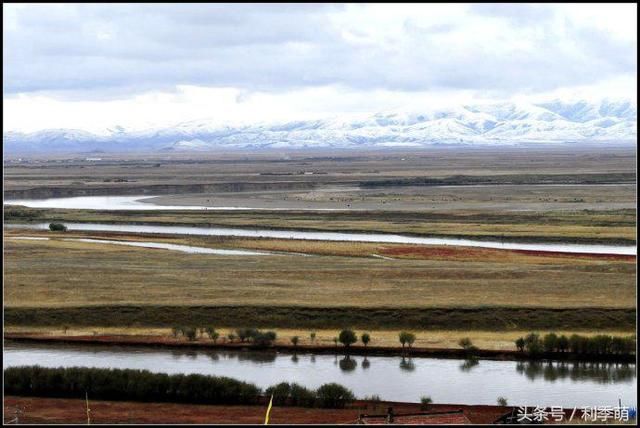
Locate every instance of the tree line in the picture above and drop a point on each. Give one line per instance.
(143, 385)
(601, 344)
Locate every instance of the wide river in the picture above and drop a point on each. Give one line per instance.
(392, 378)
(137, 203)
(336, 236)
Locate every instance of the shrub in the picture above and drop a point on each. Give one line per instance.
(347, 337)
(212, 333)
(263, 338)
(520, 344)
(57, 227)
(191, 333)
(563, 343)
(406, 338)
(550, 342)
(502, 401)
(313, 336)
(533, 344)
(366, 338)
(301, 396)
(425, 402)
(131, 385)
(334, 396)
(175, 331)
(294, 340)
(231, 337)
(280, 393)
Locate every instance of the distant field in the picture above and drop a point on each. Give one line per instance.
(460, 289)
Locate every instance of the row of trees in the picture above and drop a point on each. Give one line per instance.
(251, 335)
(346, 337)
(329, 395)
(601, 344)
(143, 385)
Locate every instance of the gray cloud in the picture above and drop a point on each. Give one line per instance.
(120, 48)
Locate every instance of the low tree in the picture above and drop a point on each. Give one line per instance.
(406, 338)
(313, 336)
(365, 339)
(65, 328)
(502, 401)
(191, 334)
(212, 333)
(533, 344)
(57, 227)
(563, 343)
(425, 402)
(334, 396)
(295, 340)
(335, 341)
(347, 337)
(175, 331)
(231, 337)
(550, 342)
(520, 344)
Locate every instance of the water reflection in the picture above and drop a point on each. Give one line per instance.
(366, 363)
(348, 364)
(392, 377)
(599, 371)
(407, 364)
(469, 364)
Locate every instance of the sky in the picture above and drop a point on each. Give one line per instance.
(97, 67)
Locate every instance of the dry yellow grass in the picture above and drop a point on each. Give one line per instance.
(58, 273)
(498, 340)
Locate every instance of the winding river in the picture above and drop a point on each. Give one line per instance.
(336, 236)
(392, 378)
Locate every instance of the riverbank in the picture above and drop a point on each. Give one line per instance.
(35, 410)
(169, 342)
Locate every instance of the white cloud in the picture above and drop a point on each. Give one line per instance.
(91, 66)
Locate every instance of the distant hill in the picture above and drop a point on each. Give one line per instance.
(503, 123)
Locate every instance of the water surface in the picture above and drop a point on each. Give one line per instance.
(392, 378)
(339, 236)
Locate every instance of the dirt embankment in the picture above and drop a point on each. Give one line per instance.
(158, 189)
(35, 410)
(170, 342)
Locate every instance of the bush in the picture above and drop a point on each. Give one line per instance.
(263, 338)
(563, 343)
(294, 340)
(280, 393)
(301, 396)
(313, 336)
(191, 333)
(520, 344)
(550, 342)
(406, 338)
(57, 227)
(533, 344)
(131, 385)
(366, 338)
(212, 333)
(347, 337)
(502, 401)
(334, 396)
(425, 402)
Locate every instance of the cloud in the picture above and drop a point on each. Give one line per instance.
(95, 51)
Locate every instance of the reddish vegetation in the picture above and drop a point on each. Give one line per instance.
(65, 411)
(470, 253)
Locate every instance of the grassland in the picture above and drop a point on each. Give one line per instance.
(57, 282)
(536, 195)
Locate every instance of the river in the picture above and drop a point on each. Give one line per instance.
(339, 236)
(392, 378)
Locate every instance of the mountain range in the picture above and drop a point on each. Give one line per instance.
(479, 124)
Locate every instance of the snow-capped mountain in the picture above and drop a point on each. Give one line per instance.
(503, 123)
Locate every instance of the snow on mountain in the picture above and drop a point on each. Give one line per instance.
(555, 121)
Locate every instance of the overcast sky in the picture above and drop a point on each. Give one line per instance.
(93, 67)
